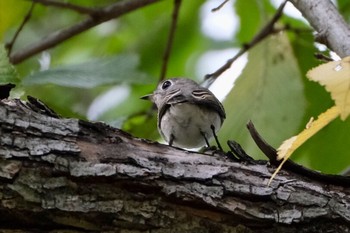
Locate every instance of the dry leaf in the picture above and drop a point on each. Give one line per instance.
(335, 76)
(293, 143)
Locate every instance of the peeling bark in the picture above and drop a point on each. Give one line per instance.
(67, 174)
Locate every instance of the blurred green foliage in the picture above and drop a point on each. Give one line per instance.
(7, 71)
(101, 73)
(268, 102)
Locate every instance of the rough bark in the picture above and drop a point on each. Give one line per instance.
(331, 27)
(67, 174)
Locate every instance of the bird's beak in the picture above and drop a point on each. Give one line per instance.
(147, 97)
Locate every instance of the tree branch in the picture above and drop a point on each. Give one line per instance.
(167, 51)
(75, 175)
(10, 44)
(332, 29)
(101, 15)
(67, 5)
(267, 30)
(220, 6)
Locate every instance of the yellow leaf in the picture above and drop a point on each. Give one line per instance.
(286, 147)
(312, 127)
(335, 76)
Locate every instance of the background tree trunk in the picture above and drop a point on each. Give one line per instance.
(67, 174)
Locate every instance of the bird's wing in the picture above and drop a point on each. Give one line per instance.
(207, 98)
(199, 96)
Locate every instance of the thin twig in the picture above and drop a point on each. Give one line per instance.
(323, 57)
(67, 5)
(220, 6)
(166, 55)
(263, 33)
(101, 15)
(10, 44)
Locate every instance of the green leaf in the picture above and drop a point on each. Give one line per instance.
(269, 92)
(8, 73)
(249, 19)
(111, 70)
(344, 9)
(304, 50)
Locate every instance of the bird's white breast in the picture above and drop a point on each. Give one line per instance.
(188, 122)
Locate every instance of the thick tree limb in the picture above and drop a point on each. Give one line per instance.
(332, 29)
(66, 174)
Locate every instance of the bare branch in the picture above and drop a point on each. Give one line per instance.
(10, 44)
(330, 25)
(220, 6)
(67, 5)
(177, 4)
(102, 15)
(263, 33)
(322, 57)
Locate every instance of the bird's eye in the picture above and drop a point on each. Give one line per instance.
(166, 84)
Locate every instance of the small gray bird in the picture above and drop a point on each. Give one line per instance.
(188, 115)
